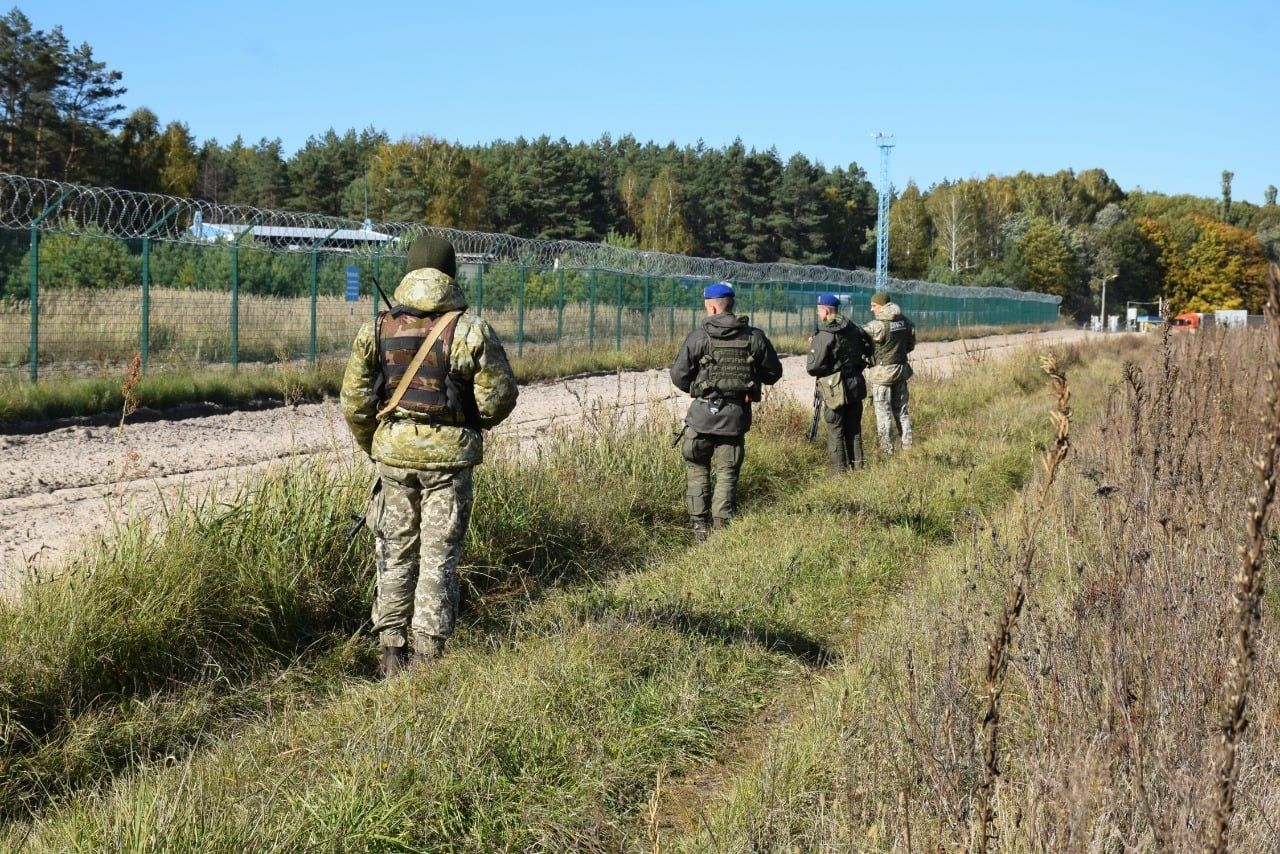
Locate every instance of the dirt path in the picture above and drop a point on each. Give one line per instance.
(60, 487)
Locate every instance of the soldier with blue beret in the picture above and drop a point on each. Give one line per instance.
(838, 354)
(723, 365)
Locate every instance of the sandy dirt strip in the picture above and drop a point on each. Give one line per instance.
(58, 488)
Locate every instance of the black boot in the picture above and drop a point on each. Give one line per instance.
(855, 460)
(698, 524)
(394, 659)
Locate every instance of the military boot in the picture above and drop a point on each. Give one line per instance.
(718, 524)
(394, 659)
(698, 524)
(427, 650)
(856, 462)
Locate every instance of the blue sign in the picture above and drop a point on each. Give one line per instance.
(353, 284)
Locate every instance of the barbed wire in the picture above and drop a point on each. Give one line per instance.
(57, 206)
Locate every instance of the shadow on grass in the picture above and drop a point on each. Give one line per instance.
(718, 628)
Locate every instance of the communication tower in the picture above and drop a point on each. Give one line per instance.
(885, 141)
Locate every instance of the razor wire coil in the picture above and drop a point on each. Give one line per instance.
(57, 206)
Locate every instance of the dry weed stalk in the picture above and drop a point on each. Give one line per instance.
(129, 388)
(998, 647)
(1249, 588)
(128, 391)
(653, 813)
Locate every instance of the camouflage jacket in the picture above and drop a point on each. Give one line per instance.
(403, 438)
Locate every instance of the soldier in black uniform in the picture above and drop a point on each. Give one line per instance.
(838, 353)
(722, 365)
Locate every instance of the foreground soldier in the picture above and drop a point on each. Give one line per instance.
(894, 337)
(838, 353)
(722, 365)
(424, 434)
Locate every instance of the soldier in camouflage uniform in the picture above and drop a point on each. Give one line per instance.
(894, 337)
(838, 352)
(424, 446)
(722, 365)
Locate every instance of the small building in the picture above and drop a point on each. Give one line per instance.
(291, 237)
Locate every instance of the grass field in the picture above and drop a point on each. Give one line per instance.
(809, 679)
(91, 337)
(81, 329)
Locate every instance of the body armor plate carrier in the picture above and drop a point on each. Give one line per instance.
(400, 335)
(727, 369)
(850, 352)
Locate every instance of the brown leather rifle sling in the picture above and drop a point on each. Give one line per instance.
(433, 335)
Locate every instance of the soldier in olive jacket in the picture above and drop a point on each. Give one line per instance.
(424, 446)
(722, 365)
(894, 337)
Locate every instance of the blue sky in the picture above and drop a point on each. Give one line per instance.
(1161, 95)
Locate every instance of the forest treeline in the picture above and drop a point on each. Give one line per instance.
(62, 116)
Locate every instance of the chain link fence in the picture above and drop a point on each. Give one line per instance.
(92, 276)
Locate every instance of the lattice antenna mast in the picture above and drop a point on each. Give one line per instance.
(885, 141)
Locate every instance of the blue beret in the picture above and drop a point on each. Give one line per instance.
(717, 291)
(828, 299)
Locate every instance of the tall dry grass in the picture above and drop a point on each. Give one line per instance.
(998, 649)
(1124, 691)
(88, 328)
(100, 329)
(1249, 582)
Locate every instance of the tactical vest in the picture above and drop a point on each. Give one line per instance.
(848, 351)
(726, 368)
(399, 338)
(900, 341)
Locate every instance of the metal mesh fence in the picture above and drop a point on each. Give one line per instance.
(91, 276)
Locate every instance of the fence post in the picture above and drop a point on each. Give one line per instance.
(591, 310)
(646, 308)
(34, 298)
(34, 369)
(377, 279)
(560, 308)
(671, 319)
(480, 288)
(520, 316)
(235, 293)
(315, 295)
(617, 316)
(145, 343)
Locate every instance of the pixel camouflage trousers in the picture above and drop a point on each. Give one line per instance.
(702, 452)
(890, 402)
(420, 523)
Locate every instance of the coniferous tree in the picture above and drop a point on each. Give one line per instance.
(57, 103)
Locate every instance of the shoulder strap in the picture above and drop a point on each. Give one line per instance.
(437, 329)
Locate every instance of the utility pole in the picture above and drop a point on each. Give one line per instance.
(885, 141)
(1106, 279)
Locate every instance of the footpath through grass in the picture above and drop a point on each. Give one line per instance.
(63, 397)
(212, 697)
